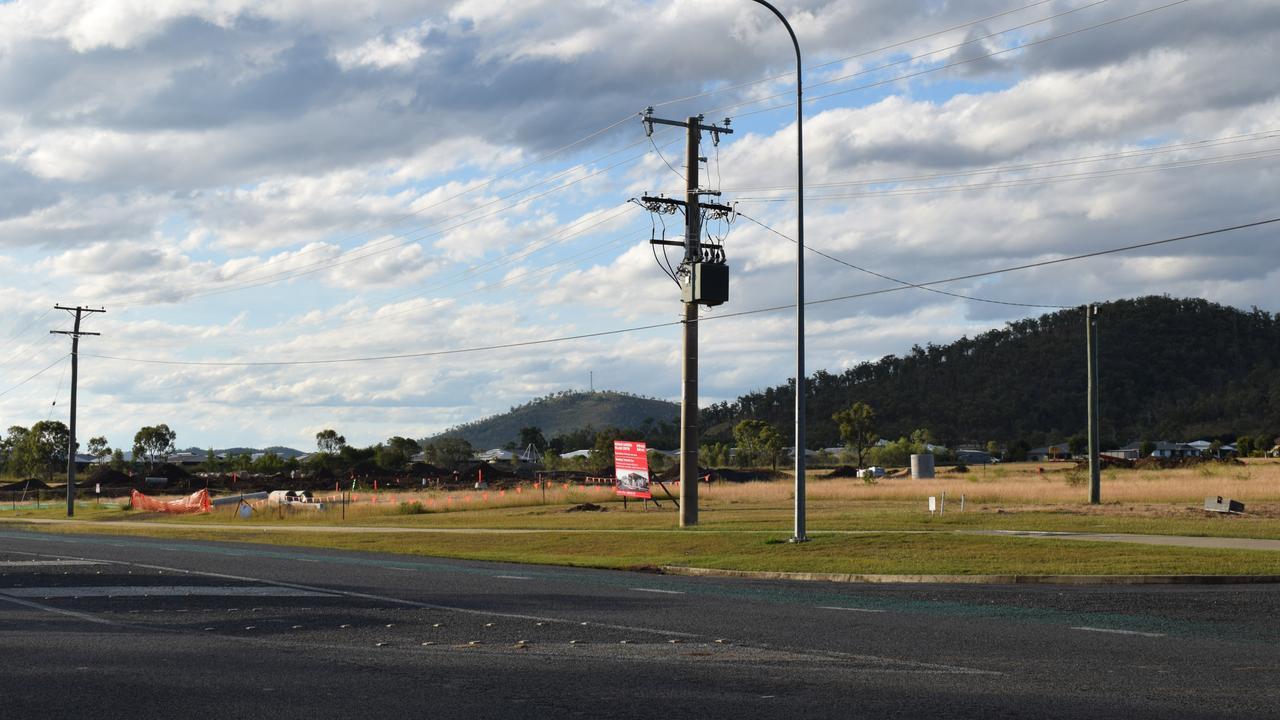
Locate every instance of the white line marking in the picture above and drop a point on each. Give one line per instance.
(133, 591)
(393, 567)
(513, 577)
(1118, 632)
(44, 563)
(862, 610)
(59, 611)
(655, 590)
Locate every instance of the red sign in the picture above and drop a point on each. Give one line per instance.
(631, 463)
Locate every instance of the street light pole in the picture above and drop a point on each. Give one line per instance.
(800, 377)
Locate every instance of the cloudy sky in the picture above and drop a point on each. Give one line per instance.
(309, 180)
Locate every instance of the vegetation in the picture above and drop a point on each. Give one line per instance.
(567, 414)
(1171, 369)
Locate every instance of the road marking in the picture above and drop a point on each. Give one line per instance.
(99, 591)
(1118, 632)
(656, 590)
(513, 577)
(44, 563)
(393, 567)
(59, 611)
(862, 610)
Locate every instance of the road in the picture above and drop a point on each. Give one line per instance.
(129, 627)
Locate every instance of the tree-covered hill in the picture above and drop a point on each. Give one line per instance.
(566, 412)
(1169, 368)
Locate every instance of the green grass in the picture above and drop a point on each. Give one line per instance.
(889, 553)
(870, 515)
(745, 535)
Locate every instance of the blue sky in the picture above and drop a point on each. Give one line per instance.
(298, 180)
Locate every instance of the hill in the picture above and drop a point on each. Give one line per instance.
(563, 413)
(1169, 369)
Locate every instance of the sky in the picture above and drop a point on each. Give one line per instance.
(314, 184)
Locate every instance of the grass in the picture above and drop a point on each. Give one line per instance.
(738, 523)
(888, 553)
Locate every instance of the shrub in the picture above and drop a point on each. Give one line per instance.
(411, 508)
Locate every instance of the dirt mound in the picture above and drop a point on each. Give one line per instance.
(25, 486)
(1155, 463)
(588, 507)
(727, 475)
(108, 476)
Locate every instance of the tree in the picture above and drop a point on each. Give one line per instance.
(41, 449)
(396, 453)
(329, 441)
(98, 447)
(448, 452)
(1244, 445)
(532, 435)
(153, 443)
(757, 441)
(602, 449)
(1146, 448)
(1078, 444)
(9, 447)
(857, 428)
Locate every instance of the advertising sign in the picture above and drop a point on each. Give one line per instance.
(631, 463)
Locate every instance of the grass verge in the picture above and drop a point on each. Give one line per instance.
(889, 553)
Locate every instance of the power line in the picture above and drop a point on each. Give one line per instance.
(352, 256)
(36, 375)
(1078, 160)
(904, 283)
(940, 68)
(847, 58)
(1024, 182)
(288, 274)
(743, 313)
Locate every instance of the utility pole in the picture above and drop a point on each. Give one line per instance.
(75, 373)
(704, 280)
(1091, 340)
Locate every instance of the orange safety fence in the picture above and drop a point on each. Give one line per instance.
(196, 502)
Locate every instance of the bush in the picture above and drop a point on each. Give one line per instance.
(411, 508)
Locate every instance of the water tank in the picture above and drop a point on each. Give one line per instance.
(922, 466)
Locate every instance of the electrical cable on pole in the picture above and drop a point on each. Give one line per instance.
(703, 277)
(75, 334)
(654, 326)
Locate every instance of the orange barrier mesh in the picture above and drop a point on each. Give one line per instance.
(196, 502)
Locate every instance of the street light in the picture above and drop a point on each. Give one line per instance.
(799, 514)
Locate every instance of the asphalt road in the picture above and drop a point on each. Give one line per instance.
(111, 627)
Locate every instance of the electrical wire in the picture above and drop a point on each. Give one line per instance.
(1025, 182)
(1078, 160)
(927, 71)
(36, 375)
(57, 391)
(638, 328)
(847, 58)
(904, 283)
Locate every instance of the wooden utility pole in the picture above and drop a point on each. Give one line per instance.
(75, 334)
(1091, 340)
(700, 285)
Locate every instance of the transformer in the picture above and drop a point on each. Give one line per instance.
(707, 283)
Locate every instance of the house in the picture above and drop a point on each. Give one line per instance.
(1058, 451)
(1274, 452)
(496, 454)
(187, 458)
(575, 454)
(1174, 450)
(1127, 453)
(975, 457)
(1206, 449)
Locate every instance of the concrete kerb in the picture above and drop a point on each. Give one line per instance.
(977, 579)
